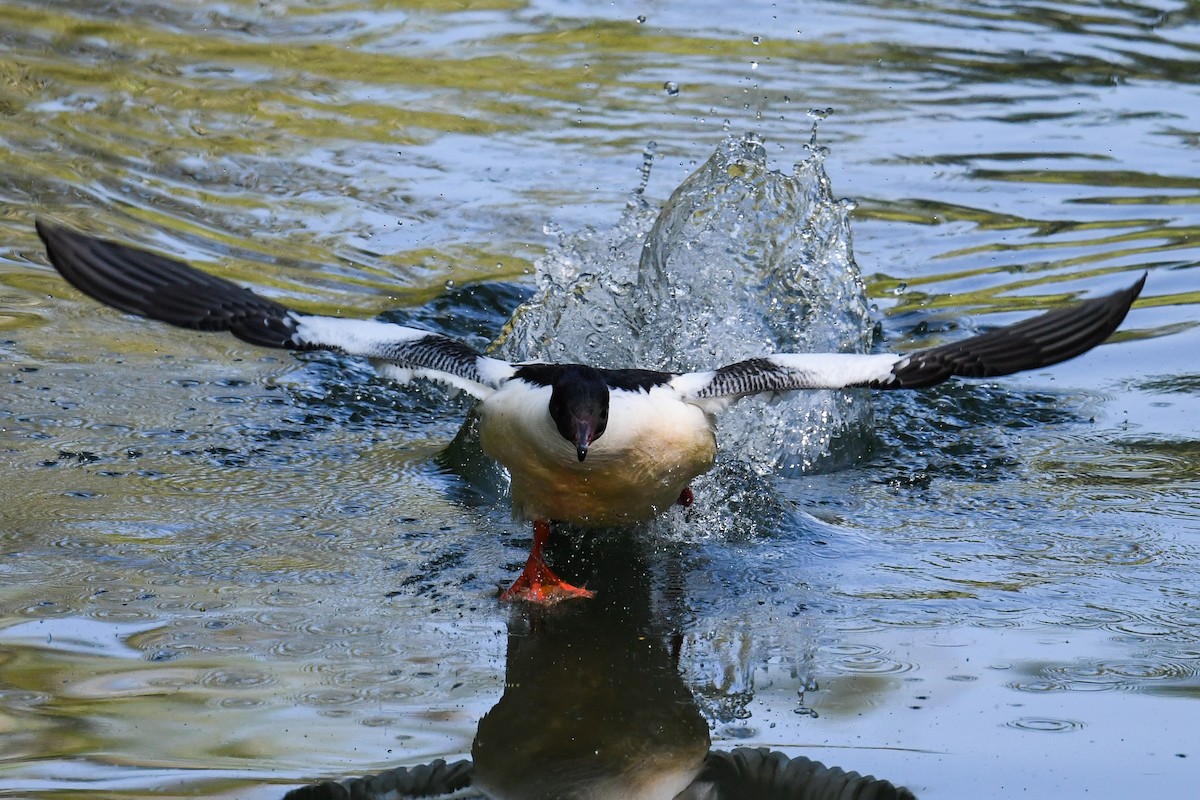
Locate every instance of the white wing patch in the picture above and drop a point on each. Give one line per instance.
(837, 370)
(494, 371)
(403, 353)
(405, 375)
(360, 337)
(716, 390)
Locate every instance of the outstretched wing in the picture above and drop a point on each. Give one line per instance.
(1034, 343)
(161, 288)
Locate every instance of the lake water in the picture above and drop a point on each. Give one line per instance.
(227, 571)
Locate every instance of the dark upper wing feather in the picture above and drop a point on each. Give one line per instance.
(1034, 343)
(161, 288)
(164, 289)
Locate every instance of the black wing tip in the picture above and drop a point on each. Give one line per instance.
(159, 287)
(1136, 289)
(45, 229)
(1120, 301)
(56, 236)
(71, 253)
(1118, 304)
(48, 230)
(1037, 342)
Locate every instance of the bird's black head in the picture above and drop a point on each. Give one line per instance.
(579, 405)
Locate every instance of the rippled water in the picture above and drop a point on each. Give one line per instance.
(226, 571)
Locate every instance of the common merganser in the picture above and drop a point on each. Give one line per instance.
(583, 445)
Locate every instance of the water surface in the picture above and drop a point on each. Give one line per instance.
(225, 571)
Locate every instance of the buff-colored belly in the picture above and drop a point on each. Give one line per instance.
(633, 472)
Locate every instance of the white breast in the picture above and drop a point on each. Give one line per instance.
(652, 448)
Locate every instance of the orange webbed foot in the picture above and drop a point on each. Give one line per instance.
(537, 582)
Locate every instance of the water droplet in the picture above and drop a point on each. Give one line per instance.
(756, 39)
(671, 88)
(449, 284)
(647, 163)
(753, 65)
(641, 19)
(787, 99)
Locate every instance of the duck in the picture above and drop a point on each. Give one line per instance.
(583, 445)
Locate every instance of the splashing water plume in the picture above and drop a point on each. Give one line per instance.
(741, 261)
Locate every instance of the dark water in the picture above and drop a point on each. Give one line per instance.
(226, 571)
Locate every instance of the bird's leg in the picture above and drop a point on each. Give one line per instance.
(537, 582)
(686, 498)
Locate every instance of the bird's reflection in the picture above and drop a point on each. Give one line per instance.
(593, 703)
(595, 707)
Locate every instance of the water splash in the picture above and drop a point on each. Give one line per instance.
(740, 261)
